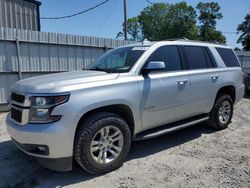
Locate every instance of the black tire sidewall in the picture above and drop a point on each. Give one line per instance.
(90, 128)
(214, 115)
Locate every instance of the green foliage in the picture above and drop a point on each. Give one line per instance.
(162, 21)
(152, 21)
(244, 29)
(134, 29)
(208, 14)
(181, 22)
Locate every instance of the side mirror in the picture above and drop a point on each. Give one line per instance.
(154, 66)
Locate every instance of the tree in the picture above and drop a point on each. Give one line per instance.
(134, 30)
(181, 22)
(244, 29)
(152, 21)
(162, 21)
(208, 14)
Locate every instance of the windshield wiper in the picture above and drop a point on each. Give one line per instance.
(98, 69)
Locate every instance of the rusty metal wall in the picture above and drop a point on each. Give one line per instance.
(20, 14)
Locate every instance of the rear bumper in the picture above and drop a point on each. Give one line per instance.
(239, 93)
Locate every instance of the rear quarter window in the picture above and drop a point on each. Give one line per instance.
(228, 57)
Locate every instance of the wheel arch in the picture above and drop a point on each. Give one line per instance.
(229, 90)
(122, 110)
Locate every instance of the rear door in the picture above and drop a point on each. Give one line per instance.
(204, 78)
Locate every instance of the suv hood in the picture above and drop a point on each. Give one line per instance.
(47, 83)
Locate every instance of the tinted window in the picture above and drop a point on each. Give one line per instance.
(197, 57)
(228, 57)
(169, 55)
(210, 59)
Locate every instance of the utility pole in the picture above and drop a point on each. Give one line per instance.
(125, 20)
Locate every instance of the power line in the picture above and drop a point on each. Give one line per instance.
(228, 32)
(75, 14)
(107, 17)
(149, 2)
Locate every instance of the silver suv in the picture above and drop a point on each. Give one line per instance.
(130, 93)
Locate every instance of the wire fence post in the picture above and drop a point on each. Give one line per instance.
(18, 59)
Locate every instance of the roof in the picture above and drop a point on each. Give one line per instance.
(184, 41)
(34, 1)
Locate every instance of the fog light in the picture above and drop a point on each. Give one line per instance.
(42, 148)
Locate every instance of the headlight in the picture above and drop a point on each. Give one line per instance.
(41, 107)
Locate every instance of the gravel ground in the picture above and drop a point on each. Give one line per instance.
(193, 157)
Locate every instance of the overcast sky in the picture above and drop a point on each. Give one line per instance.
(106, 21)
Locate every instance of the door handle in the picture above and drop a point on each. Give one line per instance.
(215, 77)
(182, 82)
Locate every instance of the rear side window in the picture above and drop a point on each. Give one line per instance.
(197, 57)
(228, 57)
(169, 55)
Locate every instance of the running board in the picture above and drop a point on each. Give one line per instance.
(170, 128)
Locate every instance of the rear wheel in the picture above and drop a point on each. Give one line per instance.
(222, 112)
(102, 143)
(247, 92)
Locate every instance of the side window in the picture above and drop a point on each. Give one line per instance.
(197, 57)
(169, 55)
(228, 57)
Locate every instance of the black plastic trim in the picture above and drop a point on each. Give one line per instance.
(32, 148)
(57, 164)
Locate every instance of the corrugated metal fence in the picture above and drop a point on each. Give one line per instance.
(21, 14)
(244, 58)
(43, 53)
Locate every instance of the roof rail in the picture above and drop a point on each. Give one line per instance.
(188, 40)
(174, 39)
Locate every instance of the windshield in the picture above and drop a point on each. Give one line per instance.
(118, 60)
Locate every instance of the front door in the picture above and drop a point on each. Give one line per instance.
(165, 94)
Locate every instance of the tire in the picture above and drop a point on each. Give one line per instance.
(247, 92)
(215, 118)
(95, 127)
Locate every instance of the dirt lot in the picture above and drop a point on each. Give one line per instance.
(194, 157)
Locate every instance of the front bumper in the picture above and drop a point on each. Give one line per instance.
(54, 136)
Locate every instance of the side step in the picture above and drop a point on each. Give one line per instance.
(171, 127)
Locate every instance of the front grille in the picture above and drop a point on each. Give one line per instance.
(17, 98)
(16, 114)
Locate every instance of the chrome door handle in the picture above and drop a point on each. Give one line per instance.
(182, 82)
(215, 77)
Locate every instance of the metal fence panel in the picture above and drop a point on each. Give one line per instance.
(44, 53)
(19, 14)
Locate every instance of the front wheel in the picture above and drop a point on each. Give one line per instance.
(222, 112)
(102, 143)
